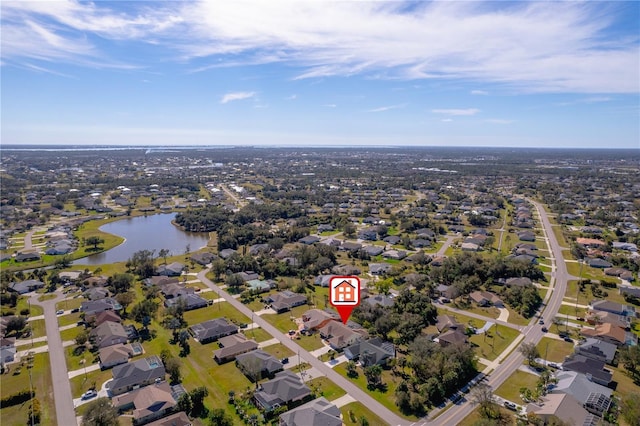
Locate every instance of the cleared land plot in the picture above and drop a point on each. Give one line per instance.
(511, 388)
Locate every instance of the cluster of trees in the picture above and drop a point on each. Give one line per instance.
(192, 402)
(525, 300)
(437, 372)
(411, 312)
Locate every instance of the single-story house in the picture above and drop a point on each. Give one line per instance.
(370, 352)
(285, 300)
(135, 374)
(171, 270)
(108, 333)
(7, 349)
(613, 307)
(27, 257)
(594, 398)
(599, 263)
(110, 356)
(191, 301)
(452, 337)
(212, 330)
(148, 403)
(447, 322)
(340, 336)
(94, 307)
(308, 240)
(227, 253)
(258, 362)
(285, 388)
(315, 319)
(560, 405)
(176, 419)
(394, 254)
(379, 268)
(203, 258)
(597, 349)
(26, 286)
(260, 286)
(232, 346)
(591, 367)
(609, 333)
(319, 412)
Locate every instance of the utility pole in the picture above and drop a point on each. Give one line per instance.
(579, 284)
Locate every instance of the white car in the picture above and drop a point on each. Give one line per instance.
(89, 394)
(59, 312)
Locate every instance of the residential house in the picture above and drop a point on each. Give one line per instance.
(203, 258)
(340, 336)
(171, 270)
(7, 349)
(148, 403)
(285, 300)
(248, 275)
(452, 337)
(319, 412)
(613, 307)
(322, 280)
(212, 330)
(630, 291)
(446, 322)
(26, 286)
(485, 298)
(610, 333)
(190, 301)
(597, 349)
(379, 268)
(392, 239)
(346, 270)
(349, 246)
(260, 286)
(232, 346)
(325, 227)
(590, 242)
(175, 289)
(592, 368)
(526, 236)
(602, 317)
(256, 249)
(105, 316)
(315, 319)
(562, 406)
(518, 281)
(308, 240)
(599, 263)
(110, 356)
(176, 419)
(258, 362)
(370, 352)
(27, 256)
(94, 307)
(593, 397)
(160, 281)
(394, 254)
(227, 253)
(139, 373)
(380, 299)
(469, 247)
(107, 334)
(96, 293)
(373, 250)
(369, 234)
(285, 388)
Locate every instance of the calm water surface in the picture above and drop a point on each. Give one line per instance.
(146, 233)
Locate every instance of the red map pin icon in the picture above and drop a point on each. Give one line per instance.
(344, 295)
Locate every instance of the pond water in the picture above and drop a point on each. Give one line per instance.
(153, 232)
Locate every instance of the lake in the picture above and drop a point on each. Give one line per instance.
(146, 233)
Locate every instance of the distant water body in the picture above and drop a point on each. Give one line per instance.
(153, 232)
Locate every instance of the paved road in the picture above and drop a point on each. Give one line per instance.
(28, 244)
(65, 413)
(445, 246)
(533, 332)
(351, 389)
(479, 317)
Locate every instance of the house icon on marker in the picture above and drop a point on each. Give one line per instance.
(344, 292)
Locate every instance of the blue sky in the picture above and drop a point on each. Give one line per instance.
(461, 73)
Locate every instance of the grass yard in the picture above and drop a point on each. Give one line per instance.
(493, 343)
(80, 384)
(217, 310)
(310, 343)
(257, 334)
(69, 304)
(37, 328)
(285, 321)
(511, 388)
(571, 310)
(41, 380)
(70, 334)
(68, 319)
(46, 297)
(352, 413)
(326, 388)
(278, 350)
(554, 350)
(74, 361)
(384, 397)
(90, 229)
(475, 416)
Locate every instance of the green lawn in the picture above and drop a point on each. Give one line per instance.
(493, 343)
(571, 310)
(326, 388)
(554, 350)
(90, 229)
(68, 319)
(74, 359)
(37, 328)
(352, 413)
(475, 416)
(257, 334)
(310, 343)
(69, 304)
(46, 297)
(70, 334)
(278, 350)
(385, 397)
(80, 384)
(285, 321)
(511, 388)
(217, 310)
(41, 380)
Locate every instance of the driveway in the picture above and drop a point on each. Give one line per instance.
(65, 412)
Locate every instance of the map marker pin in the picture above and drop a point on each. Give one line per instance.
(344, 295)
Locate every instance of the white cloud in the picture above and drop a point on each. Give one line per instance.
(236, 96)
(589, 100)
(447, 120)
(468, 111)
(330, 105)
(529, 46)
(479, 92)
(292, 97)
(386, 108)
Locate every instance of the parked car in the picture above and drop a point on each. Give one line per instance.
(59, 312)
(510, 405)
(89, 394)
(285, 360)
(568, 339)
(73, 311)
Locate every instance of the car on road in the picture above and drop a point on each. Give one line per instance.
(544, 329)
(89, 394)
(59, 312)
(541, 322)
(510, 405)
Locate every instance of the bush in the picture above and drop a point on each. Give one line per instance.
(17, 398)
(25, 312)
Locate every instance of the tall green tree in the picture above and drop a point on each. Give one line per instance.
(100, 412)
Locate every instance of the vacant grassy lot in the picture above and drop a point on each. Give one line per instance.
(69, 304)
(326, 388)
(37, 328)
(352, 413)
(286, 321)
(511, 388)
(41, 381)
(475, 416)
(494, 341)
(68, 319)
(217, 310)
(554, 350)
(278, 350)
(74, 358)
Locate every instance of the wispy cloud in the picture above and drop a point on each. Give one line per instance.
(530, 46)
(447, 120)
(387, 108)
(292, 97)
(479, 92)
(236, 96)
(467, 111)
(589, 100)
(330, 105)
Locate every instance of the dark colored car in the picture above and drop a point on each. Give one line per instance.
(545, 329)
